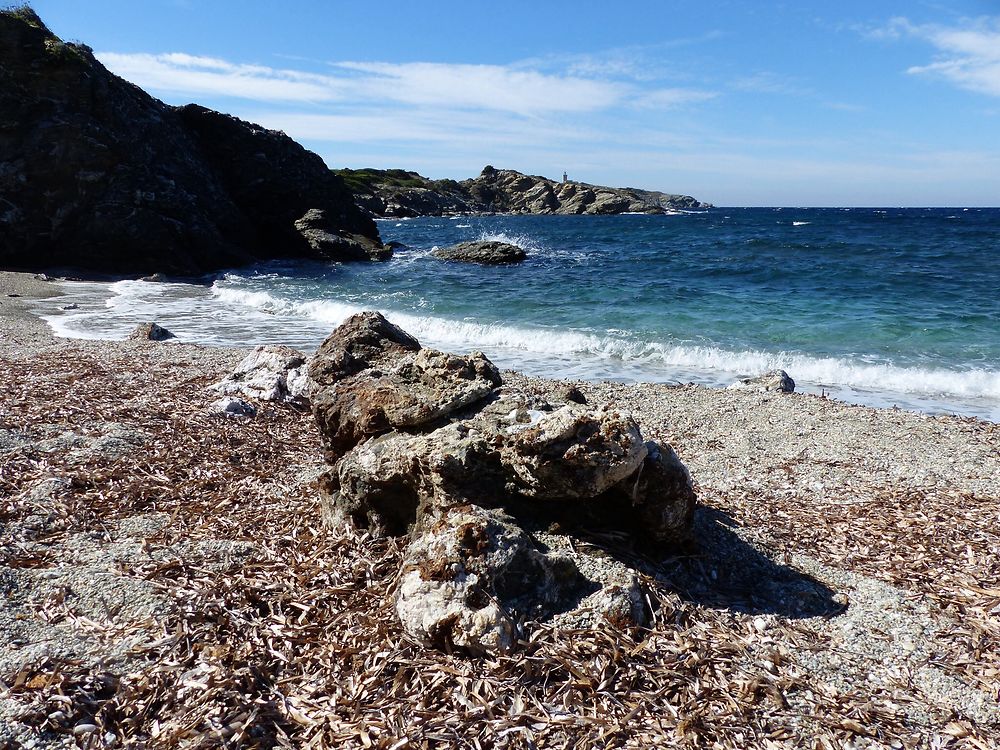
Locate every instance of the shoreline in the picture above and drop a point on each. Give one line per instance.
(310, 332)
(110, 455)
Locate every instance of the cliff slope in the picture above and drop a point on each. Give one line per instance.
(97, 175)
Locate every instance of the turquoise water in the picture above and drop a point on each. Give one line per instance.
(883, 307)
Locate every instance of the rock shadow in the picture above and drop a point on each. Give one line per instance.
(721, 570)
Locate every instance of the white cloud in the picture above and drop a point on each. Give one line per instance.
(672, 97)
(514, 89)
(495, 87)
(766, 82)
(178, 73)
(968, 55)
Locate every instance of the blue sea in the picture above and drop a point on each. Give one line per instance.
(884, 307)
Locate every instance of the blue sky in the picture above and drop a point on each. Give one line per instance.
(737, 103)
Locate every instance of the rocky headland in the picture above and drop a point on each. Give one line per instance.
(98, 176)
(397, 193)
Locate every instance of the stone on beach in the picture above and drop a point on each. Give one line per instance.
(371, 377)
(227, 406)
(150, 332)
(775, 380)
(433, 445)
(269, 373)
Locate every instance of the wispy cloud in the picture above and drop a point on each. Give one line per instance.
(194, 76)
(494, 87)
(968, 55)
(672, 97)
(766, 82)
(513, 89)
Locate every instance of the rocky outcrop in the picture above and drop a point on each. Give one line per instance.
(775, 380)
(97, 175)
(406, 194)
(435, 446)
(485, 252)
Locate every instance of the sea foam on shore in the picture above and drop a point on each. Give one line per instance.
(228, 313)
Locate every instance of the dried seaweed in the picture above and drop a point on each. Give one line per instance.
(296, 644)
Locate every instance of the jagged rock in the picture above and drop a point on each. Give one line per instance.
(150, 332)
(573, 452)
(434, 446)
(227, 406)
(363, 341)
(573, 395)
(157, 278)
(466, 572)
(322, 236)
(662, 495)
(96, 174)
(382, 380)
(486, 252)
(268, 373)
(775, 380)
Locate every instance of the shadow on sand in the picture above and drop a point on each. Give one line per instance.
(722, 571)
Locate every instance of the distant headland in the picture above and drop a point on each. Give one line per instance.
(395, 192)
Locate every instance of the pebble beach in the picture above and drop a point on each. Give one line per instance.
(167, 582)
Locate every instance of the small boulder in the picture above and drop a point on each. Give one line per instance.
(150, 332)
(485, 252)
(227, 406)
(370, 377)
(775, 380)
(467, 570)
(154, 278)
(269, 373)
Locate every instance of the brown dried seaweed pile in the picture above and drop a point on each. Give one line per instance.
(297, 644)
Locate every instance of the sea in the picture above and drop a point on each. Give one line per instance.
(892, 307)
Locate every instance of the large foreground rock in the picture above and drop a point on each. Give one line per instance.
(96, 174)
(433, 445)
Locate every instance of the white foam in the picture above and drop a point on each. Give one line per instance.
(800, 223)
(552, 342)
(228, 315)
(523, 241)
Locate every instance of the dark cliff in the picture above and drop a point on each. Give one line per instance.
(95, 174)
(394, 192)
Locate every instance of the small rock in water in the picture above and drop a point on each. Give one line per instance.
(154, 277)
(485, 252)
(775, 380)
(150, 332)
(72, 306)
